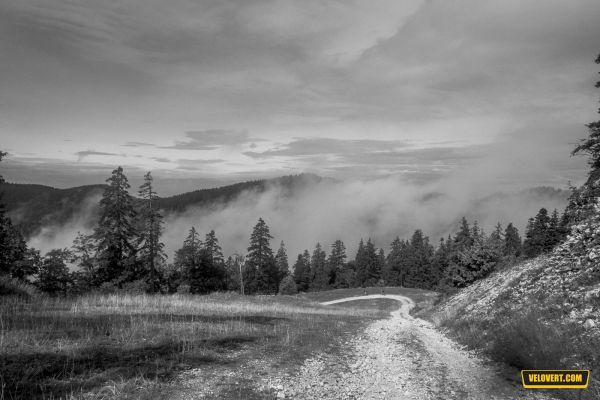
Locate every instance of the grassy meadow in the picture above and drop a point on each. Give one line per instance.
(107, 346)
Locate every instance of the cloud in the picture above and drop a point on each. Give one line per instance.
(194, 165)
(83, 154)
(138, 144)
(316, 146)
(212, 139)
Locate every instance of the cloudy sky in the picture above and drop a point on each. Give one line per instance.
(208, 92)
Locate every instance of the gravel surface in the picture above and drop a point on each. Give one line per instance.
(400, 358)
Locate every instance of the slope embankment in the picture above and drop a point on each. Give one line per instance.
(541, 314)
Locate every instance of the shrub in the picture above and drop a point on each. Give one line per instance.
(288, 286)
(14, 287)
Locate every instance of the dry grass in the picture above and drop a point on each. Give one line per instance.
(530, 340)
(134, 345)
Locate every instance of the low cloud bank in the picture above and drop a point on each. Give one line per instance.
(322, 212)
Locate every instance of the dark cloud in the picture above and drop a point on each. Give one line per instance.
(212, 139)
(83, 154)
(138, 144)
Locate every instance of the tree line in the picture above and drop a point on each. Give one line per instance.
(125, 252)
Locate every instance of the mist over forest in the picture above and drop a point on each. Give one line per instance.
(324, 210)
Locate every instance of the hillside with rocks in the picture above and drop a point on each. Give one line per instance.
(543, 313)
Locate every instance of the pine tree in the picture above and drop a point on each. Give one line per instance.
(213, 249)
(512, 241)
(395, 263)
(320, 280)
(440, 262)
(185, 256)
(463, 238)
(201, 265)
(538, 237)
(151, 252)
(337, 265)
(260, 259)
(419, 257)
(116, 233)
(361, 263)
(302, 272)
(281, 259)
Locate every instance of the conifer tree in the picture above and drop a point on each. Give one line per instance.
(201, 266)
(319, 269)
(361, 263)
(151, 252)
(116, 232)
(512, 241)
(463, 238)
(337, 265)
(213, 249)
(281, 259)
(538, 235)
(260, 259)
(418, 258)
(395, 271)
(302, 272)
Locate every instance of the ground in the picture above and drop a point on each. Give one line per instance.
(400, 358)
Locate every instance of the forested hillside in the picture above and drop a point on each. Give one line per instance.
(33, 206)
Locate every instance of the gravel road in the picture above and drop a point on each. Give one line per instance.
(400, 358)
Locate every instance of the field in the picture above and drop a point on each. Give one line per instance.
(146, 347)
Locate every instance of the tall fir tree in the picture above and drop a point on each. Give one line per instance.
(419, 257)
(116, 233)
(512, 241)
(395, 271)
(538, 237)
(302, 273)
(463, 238)
(361, 264)
(337, 265)
(151, 250)
(201, 266)
(320, 270)
(261, 262)
(213, 249)
(281, 259)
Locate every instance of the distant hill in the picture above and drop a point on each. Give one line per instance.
(34, 206)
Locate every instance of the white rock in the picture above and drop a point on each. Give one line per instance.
(589, 324)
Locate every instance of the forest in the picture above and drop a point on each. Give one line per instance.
(125, 253)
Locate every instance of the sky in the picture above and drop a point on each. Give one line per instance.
(205, 93)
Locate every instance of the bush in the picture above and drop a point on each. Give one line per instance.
(288, 286)
(14, 287)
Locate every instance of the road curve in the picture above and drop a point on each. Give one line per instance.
(401, 357)
(406, 303)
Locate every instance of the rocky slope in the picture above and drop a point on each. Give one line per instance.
(550, 304)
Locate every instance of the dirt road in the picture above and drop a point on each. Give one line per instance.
(400, 358)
